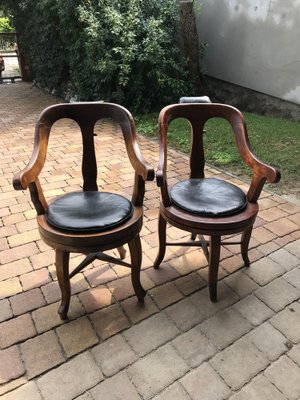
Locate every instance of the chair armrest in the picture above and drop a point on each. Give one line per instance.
(140, 165)
(261, 172)
(161, 173)
(27, 178)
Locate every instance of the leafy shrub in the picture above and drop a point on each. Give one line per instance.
(125, 51)
(5, 25)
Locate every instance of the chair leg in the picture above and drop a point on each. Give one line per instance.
(62, 272)
(162, 226)
(246, 236)
(214, 258)
(135, 249)
(122, 252)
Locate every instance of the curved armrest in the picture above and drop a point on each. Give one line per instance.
(31, 172)
(261, 172)
(28, 177)
(140, 165)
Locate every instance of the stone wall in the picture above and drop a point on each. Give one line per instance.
(249, 100)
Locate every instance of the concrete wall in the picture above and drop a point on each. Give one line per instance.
(253, 43)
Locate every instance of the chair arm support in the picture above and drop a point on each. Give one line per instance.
(263, 173)
(162, 183)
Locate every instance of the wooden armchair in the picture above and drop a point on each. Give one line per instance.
(91, 221)
(209, 206)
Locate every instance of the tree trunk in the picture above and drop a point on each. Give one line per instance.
(191, 43)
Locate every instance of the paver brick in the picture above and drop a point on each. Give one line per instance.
(156, 371)
(282, 227)
(175, 391)
(15, 268)
(262, 234)
(185, 314)
(136, 311)
(268, 248)
(269, 341)
(113, 355)
(188, 262)
(59, 384)
(259, 388)
(232, 264)
(95, 299)
(121, 288)
(225, 327)
(293, 277)
(254, 310)
(284, 374)
(277, 294)
(109, 321)
(41, 353)
(194, 347)
(51, 292)
(100, 275)
(287, 322)
(294, 354)
(201, 300)
(11, 365)
(23, 238)
(27, 391)
(76, 336)
(239, 363)
(203, 383)
(287, 260)
(165, 295)
(294, 248)
(3, 244)
(28, 301)
(10, 287)
(272, 214)
(5, 310)
(16, 330)
(35, 279)
(264, 271)
(158, 330)
(241, 283)
(190, 283)
(118, 387)
(163, 274)
(47, 317)
(43, 259)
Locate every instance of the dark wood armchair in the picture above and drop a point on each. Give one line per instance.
(209, 206)
(88, 221)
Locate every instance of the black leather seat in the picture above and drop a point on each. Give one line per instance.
(89, 211)
(209, 197)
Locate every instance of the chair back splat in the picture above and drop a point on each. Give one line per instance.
(88, 221)
(209, 206)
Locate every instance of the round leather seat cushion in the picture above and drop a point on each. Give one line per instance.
(89, 211)
(209, 197)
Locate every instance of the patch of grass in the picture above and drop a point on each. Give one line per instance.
(275, 141)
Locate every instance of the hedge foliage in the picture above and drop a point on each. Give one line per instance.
(125, 51)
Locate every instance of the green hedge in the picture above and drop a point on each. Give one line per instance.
(125, 51)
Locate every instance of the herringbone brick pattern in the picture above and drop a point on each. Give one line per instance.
(178, 345)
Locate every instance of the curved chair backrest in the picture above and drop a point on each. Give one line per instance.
(198, 115)
(86, 115)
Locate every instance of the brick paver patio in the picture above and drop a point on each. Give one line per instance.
(179, 345)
